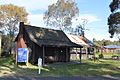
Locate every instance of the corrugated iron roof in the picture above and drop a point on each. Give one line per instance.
(80, 40)
(77, 40)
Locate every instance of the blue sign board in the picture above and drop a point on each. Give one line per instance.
(22, 55)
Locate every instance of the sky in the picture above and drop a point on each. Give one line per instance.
(95, 11)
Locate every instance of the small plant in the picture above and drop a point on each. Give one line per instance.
(101, 56)
(90, 59)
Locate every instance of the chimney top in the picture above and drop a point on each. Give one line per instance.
(21, 23)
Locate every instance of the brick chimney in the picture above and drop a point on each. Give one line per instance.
(21, 42)
(21, 27)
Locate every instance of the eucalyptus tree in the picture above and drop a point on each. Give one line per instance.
(60, 14)
(81, 28)
(114, 18)
(10, 16)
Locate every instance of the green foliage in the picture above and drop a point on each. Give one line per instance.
(10, 16)
(105, 42)
(114, 22)
(6, 45)
(107, 54)
(101, 56)
(114, 5)
(60, 14)
(114, 18)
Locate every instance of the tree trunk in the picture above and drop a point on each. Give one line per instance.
(0, 43)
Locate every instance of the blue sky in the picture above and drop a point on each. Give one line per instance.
(95, 11)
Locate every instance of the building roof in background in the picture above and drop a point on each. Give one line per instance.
(112, 46)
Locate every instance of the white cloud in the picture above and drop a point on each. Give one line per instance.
(30, 4)
(36, 20)
(99, 36)
(89, 17)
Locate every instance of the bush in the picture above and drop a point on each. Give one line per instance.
(101, 56)
(5, 54)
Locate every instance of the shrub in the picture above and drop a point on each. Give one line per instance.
(5, 54)
(101, 56)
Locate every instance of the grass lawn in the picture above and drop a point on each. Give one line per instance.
(107, 54)
(90, 68)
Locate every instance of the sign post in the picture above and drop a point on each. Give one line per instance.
(22, 55)
(39, 65)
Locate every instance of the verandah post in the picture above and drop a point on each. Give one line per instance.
(80, 55)
(43, 55)
(66, 54)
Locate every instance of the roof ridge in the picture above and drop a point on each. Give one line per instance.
(42, 27)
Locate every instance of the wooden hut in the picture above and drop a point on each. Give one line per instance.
(48, 44)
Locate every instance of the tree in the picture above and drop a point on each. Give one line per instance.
(103, 42)
(0, 42)
(114, 5)
(80, 29)
(5, 43)
(114, 18)
(10, 16)
(94, 40)
(60, 14)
